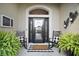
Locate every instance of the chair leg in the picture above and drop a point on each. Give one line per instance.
(59, 50)
(25, 46)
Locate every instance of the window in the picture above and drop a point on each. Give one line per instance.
(6, 21)
(38, 12)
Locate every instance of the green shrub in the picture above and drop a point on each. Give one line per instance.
(69, 42)
(9, 44)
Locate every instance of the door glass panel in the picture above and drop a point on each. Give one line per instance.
(30, 29)
(38, 23)
(46, 32)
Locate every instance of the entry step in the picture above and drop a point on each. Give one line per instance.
(40, 51)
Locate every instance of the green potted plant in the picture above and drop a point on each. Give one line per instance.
(9, 44)
(69, 43)
(76, 45)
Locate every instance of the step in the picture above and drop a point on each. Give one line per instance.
(40, 51)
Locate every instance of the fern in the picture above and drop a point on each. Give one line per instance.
(9, 44)
(69, 41)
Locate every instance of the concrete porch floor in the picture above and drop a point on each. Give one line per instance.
(24, 52)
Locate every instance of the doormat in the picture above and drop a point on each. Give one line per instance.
(39, 47)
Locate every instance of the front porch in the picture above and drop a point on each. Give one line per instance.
(41, 46)
(35, 25)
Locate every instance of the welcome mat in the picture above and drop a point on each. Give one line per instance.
(39, 47)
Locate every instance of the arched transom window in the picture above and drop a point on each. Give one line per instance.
(38, 12)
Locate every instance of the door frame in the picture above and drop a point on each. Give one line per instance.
(44, 18)
(50, 16)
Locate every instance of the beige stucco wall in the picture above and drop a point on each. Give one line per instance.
(53, 23)
(65, 9)
(60, 12)
(18, 13)
(10, 10)
(24, 7)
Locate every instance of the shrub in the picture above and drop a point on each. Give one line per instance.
(69, 42)
(9, 44)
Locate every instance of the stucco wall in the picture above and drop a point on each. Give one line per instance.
(22, 26)
(18, 13)
(11, 11)
(22, 14)
(60, 12)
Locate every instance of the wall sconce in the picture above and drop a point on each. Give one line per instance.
(66, 23)
(70, 19)
(73, 16)
(65, 26)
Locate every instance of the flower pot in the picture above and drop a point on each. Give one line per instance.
(69, 53)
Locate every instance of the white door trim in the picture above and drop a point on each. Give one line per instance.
(37, 7)
(38, 15)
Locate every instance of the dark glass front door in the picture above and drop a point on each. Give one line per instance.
(38, 30)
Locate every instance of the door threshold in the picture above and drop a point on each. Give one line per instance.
(38, 43)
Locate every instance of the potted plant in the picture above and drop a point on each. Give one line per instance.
(9, 44)
(69, 43)
(76, 45)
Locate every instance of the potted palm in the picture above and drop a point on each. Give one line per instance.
(69, 43)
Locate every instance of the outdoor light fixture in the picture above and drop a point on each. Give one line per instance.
(70, 19)
(73, 16)
(66, 23)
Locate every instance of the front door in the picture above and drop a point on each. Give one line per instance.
(38, 30)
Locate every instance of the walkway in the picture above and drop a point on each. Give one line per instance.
(55, 53)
